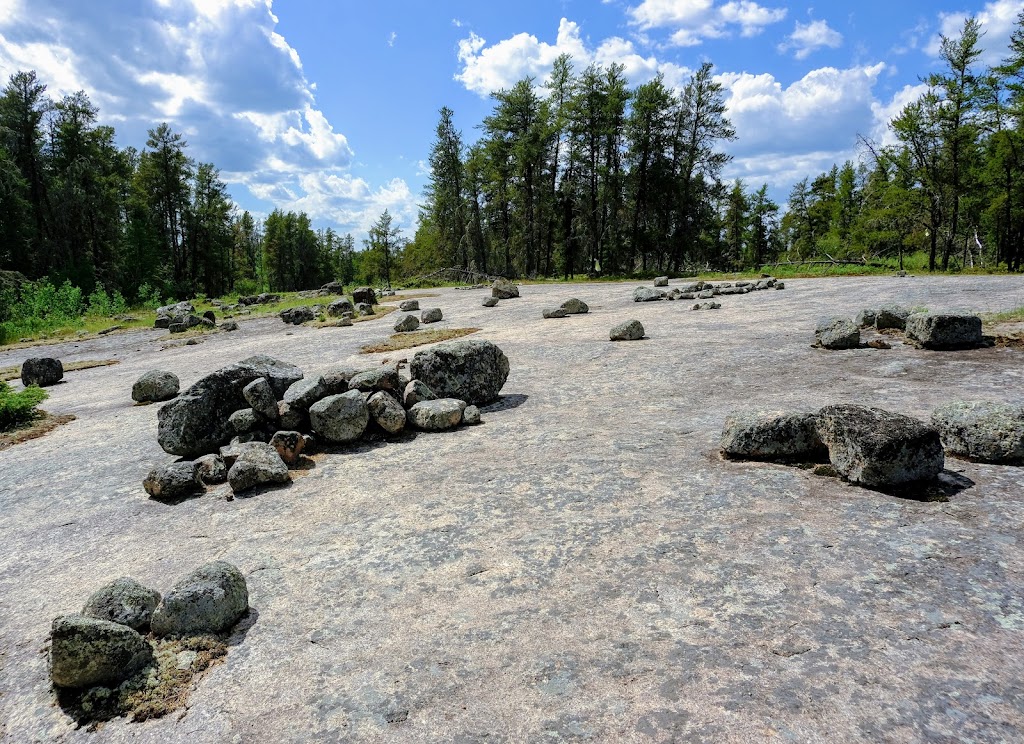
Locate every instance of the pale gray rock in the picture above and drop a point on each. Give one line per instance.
(257, 465)
(982, 430)
(260, 396)
(407, 323)
(865, 318)
(41, 371)
(553, 312)
(630, 330)
(123, 601)
(473, 370)
(211, 599)
(408, 306)
(85, 651)
(436, 415)
(179, 480)
(387, 412)
(647, 294)
(772, 435)
(181, 308)
(837, 332)
(340, 418)
(490, 302)
(706, 294)
(503, 289)
(431, 315)
(155, 386)
(942, 331)
(661, 281)
(471, 416)
(229, 325)
(303, 393)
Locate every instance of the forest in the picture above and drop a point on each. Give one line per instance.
(576, 175)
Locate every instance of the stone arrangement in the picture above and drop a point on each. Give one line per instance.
(702, 290)
(925, 330)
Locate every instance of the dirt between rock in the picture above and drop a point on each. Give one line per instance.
(581, 566)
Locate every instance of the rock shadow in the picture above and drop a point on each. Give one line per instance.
(505, 403)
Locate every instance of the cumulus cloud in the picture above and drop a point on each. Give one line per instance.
(809, 37)
(997, 21)
(692, 21)
(216, 70)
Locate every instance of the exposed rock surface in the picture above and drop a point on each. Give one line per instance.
(155, 386)
(473, 370)
(85, 651)
(944, 330)
(764, 435)
(630, 330)
(837, 332)
(123, 601)
(209, 600)
(982, 430)
(41, 371)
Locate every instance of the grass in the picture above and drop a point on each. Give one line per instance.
(409, 296)
(400, 341)
(1006, 316)
(14, 371)
(42, 423)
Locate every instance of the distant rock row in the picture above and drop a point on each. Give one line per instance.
(927, 330)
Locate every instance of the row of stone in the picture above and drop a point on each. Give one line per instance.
(927, 330)
(702, 290)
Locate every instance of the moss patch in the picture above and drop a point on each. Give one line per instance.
(14, 371)
(399, 341)
(42, 424)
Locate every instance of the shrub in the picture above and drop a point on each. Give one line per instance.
(149, 296)
(18, 407)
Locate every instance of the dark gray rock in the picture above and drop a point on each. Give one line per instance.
(210, 316)
(490, 302)
(333, 287)
(291, 418)
(303, 393)
(431, 315)
(155, 386)
(630, 330)
(364, 309)
(407, 323)
(212, 469)
(473, 370)
(416, 391)
(436, 415)
(982, 430)
(85, 652)
(387, 412)
(244, 420)
(891, 316)
(773, 436)
(339, 307)
(364, 295)
(503, 289)
(707, 306)
(690, 287)
(162, 321)
(336, 378)
(260, 396)
(408, 306)
(123, 601)
(41, 371)
(385, 377)
(211, 599)
(257, 465)
(471, 416)
(297, 315)
(553, 312)
(231, 452)
(706, 294)
(661, 281)
(340, 418)
(878, 448)
(837, 332)
(647, 294)
(865, 318)
(942, 331)
(179, 480)
(289, 446)
(780, 285)
(228, 326)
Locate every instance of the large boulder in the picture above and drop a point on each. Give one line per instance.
(387, 412)
(407, 323)
(211, 599)
(333, 287)
(257, 465)
(297, 315)
(196, 422)
(364, 295)
(944, 330)
(339, 307)
(179, 480)
(437, 415)
(123, 601)
(41, 371)
(891, 316)
(982, 430)
(340, 418)
(647, 294)
(878, 448)
(503, 289)
(630, 330)
(408, 306)
(473, 370)
(85, 651)
(837, 332)
(763, 435)
(574, 306)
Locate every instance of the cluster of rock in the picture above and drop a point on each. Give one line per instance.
(247, 423)
(926, 330)
(41, 371)
(263, 298)
(408, 323)
(105, 645)
(572, 306)
(342, 309)
(702, 290)
(181, 317)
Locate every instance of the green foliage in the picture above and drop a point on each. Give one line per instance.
(17, 408)
(102, 304)
(149, 297)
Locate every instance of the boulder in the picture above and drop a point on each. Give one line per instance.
(471, 416)
(385, 377)
(707, 306)
(416, 391)
(837, 332)
(437, 415)
(340, 418)
(258, 464)
(408, 306)
(774, 436)
(630, 330)
(943, 331)
(336, 378)
(880, 449)
(179, 308)
(490, 302)
(661, 281)
(297, 315)
(85, 651)
(387, 412)
(339, 307)
(407, 324)
(228, 326)
(891, 316)
(173, 482)
(334, 287)
(431, 315)
(780, 285)
(706, 294)
(155, 386)
(553, 312)
(41, 371)
(647, 294)
(162, 321)
(364, 309)
(289, 446)
(982, 430)
(260, 396)
(364, 295)
(212, 469)
(291, 418)
(211, 599)
(303, 393)
(473, 370)
(123, 601)
(503, 289)
(244, 420)
(210, 316)
(865, 318)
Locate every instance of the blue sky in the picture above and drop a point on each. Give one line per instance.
(329, 106)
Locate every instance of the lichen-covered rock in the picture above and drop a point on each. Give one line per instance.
(503, 289)
(243, 420)
(336, 378)
(837, 332)
(340, 418)
(431, 315)
(944, 330)
(339, 307)
(553, 312)
(289, 446)
(490, 302)
(416, 391)
(865, 318)
(364, 309)
(630, 330)
(123, 601)
(211, 599)
(573, 306)
(179, 480)
(85, 651)
(181, 308)
(774, 436)
(257, 465)
(364, 295)
(387, 412)
(891, 316)
(982, 430)
(661, 281)
(212, 469)
(878, 448)
(437, 415)
(297, 315)
(385, 377)
(408, 306)
(473, 370)
(647, 294)
(407, 323)
(471, 416)
(41, 371)
(303, 393)
(260, 396)
(155, 386)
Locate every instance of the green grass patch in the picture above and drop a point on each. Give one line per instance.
(1006, 316)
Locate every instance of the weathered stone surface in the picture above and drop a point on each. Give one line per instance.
(123, 601)
(385, 377)
(780, 285)
(416, 391)
(41, 371)
(647, 294)
(837, 332)
(303, 393)
(661, 281)
(258, 464)
(982, 430)
(260, 397)
(490, 302)
(891, 316)
(407, 323)
(179, 480)
(553, 312)
(364, 309)
(162, 321)
(291, 418)
(706, 294)
(337, 376)
(944, 330)
(471, 416)
(630, 330)
(408, 306)
(279, 374)
(340, 418)
(436, 415)
(297, 315)
(473, 370)
(878, 448)
(387, 412)
(244, 420)
(364, 295)
(181, 308)
(228, 326)
(431, 315)
(289, 446)
(333, 287)
(865, 318)
(772, 435)
(212, 469)
(339, 307)
(85, 651)
(707, 306)
(211, 599)
(155, 386)
(503, 289)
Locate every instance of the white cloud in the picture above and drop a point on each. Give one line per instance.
(885, 112)
(997, 21)
(809, 37)
(392, 38)
(692, 21)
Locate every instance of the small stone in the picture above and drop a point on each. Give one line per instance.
(490, 302)
(291, 418)
(257, 465)
(554, 312)
(647, 294)
(123, 601)
(209, 600)
(85, 652)
(877, 343)
(661, 281)
(260, 396)
(179, 480)
(289, 446)
(229, 325)
(865, 318)
(155, 386)
(407, 323)
(431, 315)
(212, 469)
(41, 371)
(437, 415)
(387, 412)
(471, 416)
(631, 330)
(243, 420)
(364, 309)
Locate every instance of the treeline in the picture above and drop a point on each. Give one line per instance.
(76, 208)
(953, 184)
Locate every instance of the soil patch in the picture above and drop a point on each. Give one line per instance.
(399, 341)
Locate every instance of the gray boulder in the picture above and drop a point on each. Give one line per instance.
(123, 601)
(647, 294)
(982, 430)
(878, 448)
(173, 482)
(661, 281)
(387, 412)
(837, 332)
(490, 302)
(706, 294)
(162, 321)
(155, 386)
(256, 465)
(944, 330)
(431, 315)
(243, 420)
(408, 306)
(503, 289)
(291, 418)
(774, 436)
(333, 287)
(385, 377)
(41, 371)
(212, 469)
(339, 307)
(364, 309)
(364, 295)
(780, 285)
(289, 446)
(181, 308)
(471, 416)
(553, 312)
(437, 415)
(297, 315)
(336, 378)
(228, 326)
(707, 306)
(211, 599)
(473, 370)
(303, 393)
(865, 318)
(85, 652)
(416, 391)
(260, 396)
(340, 418)
(630, 330)
(891, 316)
(407, 323)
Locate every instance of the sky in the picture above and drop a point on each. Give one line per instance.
(330, 106)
